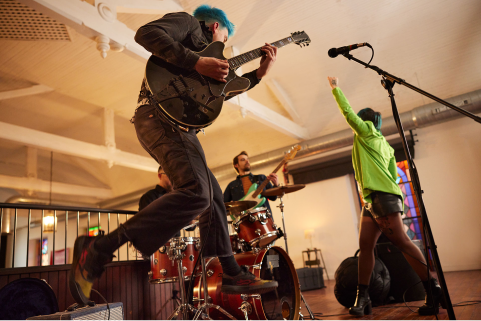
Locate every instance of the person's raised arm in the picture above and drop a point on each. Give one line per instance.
(356, 123)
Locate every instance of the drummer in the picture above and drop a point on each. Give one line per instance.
(240, 186)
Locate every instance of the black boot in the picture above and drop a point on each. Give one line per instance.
(434, 296)
(363, 302)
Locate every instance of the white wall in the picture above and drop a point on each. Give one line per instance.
(448, 158)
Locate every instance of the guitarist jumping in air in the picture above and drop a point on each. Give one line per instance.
(175, 39)
(244, 182)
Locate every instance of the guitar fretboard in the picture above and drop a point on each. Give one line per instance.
(237, 61)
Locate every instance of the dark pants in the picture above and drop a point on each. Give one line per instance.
(153, 226)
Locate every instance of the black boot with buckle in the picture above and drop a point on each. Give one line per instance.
(363, 303)
(434, 296)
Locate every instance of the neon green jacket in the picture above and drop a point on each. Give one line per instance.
(372, 156)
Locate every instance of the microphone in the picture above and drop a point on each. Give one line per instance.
(334, 52)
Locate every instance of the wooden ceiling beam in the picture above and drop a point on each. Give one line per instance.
(253, 109)
(33, 90)
(283, 98)
(248, 107)
(38, 185)
(68, 146)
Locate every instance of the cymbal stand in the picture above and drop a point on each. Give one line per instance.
(281, 207)
(207, 305)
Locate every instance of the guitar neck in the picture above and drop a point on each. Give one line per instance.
(264, 184)
(237, 61)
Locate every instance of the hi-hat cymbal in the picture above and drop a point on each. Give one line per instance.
(236, 207)
(281, 190)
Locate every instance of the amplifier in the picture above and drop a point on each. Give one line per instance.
(96, 312)
(310, 278)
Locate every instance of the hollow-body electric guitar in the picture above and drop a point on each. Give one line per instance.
(193, 100)
(254, 192)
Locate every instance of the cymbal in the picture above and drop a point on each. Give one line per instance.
(239, 206)
(281, 190)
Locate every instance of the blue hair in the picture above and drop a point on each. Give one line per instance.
(367, 114)
(210, 14)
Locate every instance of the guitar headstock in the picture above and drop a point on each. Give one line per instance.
(292, 152)
(301, 38)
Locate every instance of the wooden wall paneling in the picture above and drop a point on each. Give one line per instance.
(53, 281)
(143, 297)
(152, 302)
(135, 292)
(108, 284)
(156, 304)
(62, 290)
(13, 277)
(44, 276)
(3, 281)
(123, 287)
(128, 285)
(115, 284)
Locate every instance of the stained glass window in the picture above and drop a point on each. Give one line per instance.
(411, 216)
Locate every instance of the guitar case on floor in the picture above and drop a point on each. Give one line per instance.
(27, 297)
(346, 275)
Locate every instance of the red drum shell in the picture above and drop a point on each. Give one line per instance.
(165, 270)
(266, 232)
(284, 302)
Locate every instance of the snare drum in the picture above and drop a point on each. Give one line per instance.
(163, 267)
(256, 228)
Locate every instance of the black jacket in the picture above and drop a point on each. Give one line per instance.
(176, 37)
(151, 196)
(235, 191)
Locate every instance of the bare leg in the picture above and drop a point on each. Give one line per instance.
(393, 227)
(368, 235)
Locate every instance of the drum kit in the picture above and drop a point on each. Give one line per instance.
(253, 237)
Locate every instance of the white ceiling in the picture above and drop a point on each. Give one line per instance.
(432, 44)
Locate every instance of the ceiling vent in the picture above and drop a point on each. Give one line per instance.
(20, 22)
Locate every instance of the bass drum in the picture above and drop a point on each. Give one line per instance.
(268, 264)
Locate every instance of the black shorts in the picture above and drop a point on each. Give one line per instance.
(382, 204)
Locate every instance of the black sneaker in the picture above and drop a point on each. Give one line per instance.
(87, 266)
(246, 283)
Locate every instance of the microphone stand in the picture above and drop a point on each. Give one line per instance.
(388, 81)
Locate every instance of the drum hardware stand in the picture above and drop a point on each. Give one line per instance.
(206, 305)
(184, 307)
(174, 298)
(281, 207)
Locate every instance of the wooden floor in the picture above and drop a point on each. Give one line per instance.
(462, 286)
